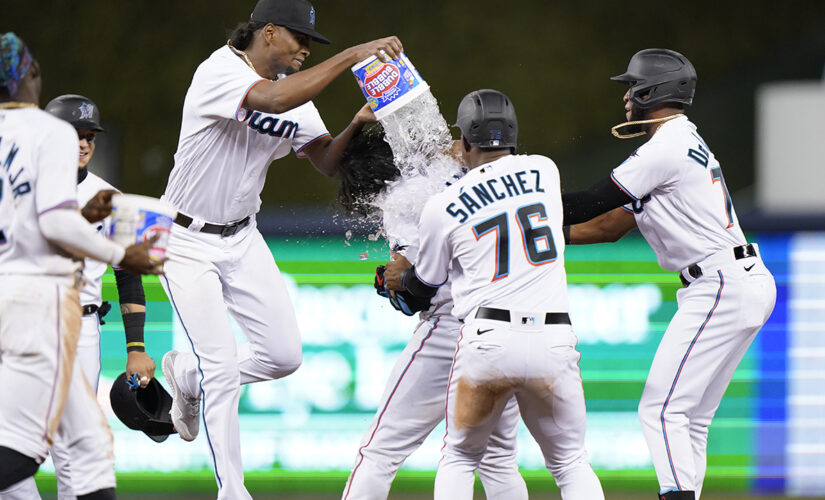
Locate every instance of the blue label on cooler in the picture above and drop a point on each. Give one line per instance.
(151, 223)
(385, 83)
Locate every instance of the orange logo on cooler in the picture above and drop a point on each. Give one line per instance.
(384, 79)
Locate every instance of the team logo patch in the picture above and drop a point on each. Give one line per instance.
(312, 16)
(495, 137)
(86, 111)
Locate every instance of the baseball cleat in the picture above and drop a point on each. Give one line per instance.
(186, 411)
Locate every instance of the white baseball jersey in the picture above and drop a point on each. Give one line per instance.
(39, 305)
(685, 213)
(38, 173)
(93, 270)
(225, 150)
(682, 206)
(500, 222)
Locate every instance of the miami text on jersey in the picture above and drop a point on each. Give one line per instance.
(267, 124)
(13, 173)
(492, 190)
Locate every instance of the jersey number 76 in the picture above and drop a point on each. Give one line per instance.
(531, 237)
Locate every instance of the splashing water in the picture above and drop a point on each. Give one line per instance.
(421, 142)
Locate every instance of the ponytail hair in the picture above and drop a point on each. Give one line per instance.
(241, 37)
(366, 167)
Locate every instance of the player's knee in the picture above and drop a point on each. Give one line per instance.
(650, 408)
(280, 362)
(561, 468)
(15, 467)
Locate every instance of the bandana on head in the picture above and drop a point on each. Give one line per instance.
(15, 61)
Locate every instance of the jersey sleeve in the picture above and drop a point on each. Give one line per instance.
(56, 169)
(433, 260)
(219, 87)
(311, 129)
(648, 168)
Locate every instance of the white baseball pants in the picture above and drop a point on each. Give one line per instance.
(88, 359)
(539, 365)
(208, 276)
(39, 323)
(412, 405)
(718, 317)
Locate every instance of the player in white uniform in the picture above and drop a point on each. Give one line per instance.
(415, 395)
(84, 116)
(39, 307)
(238, 116)
(673, 190)
(496, 233)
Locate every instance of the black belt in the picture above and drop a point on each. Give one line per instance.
(740, 252)
(504, 315)
(90, 309)
(222, 229)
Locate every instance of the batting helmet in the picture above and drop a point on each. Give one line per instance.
(145, 409)
(79, 111)
(658, 76)
(487, 119)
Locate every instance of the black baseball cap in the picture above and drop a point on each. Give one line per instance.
(297, 15)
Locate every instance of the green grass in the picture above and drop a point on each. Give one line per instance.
(725, 479)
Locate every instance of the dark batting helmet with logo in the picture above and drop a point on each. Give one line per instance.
(487, 119)
(145, 409)
(659, 76)
(79, 111)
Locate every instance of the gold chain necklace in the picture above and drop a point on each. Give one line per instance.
(615, 130)
(242, 54)
(17, 105)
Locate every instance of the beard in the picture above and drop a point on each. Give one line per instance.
(637, 114)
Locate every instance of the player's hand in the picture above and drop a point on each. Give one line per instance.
(394, 271)
(140, 363)
(364, 115)
(137, 260)
(99, 207)
(383, 48)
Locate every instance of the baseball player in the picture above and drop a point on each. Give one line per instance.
(673, 190)
(92, 193)
(416, 391)
(40, 312)
(496, 233)
(241, 112)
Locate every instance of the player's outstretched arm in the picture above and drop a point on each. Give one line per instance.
(601, 197)
(606, 228)
(133, 311)
(66, 228)
(287, 93)
(325, 154)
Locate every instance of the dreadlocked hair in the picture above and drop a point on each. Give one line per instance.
(241, 37)
(366, 167)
